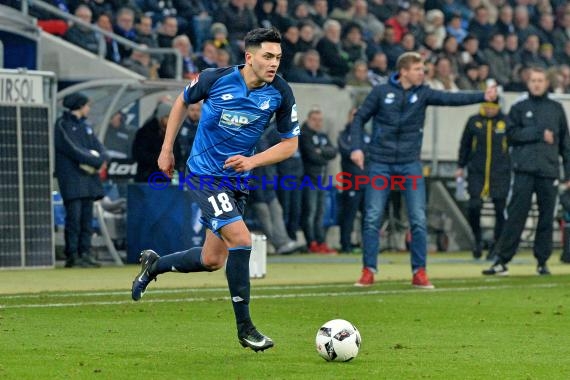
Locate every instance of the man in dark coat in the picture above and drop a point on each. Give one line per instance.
(78, 158)
(148, 143)
(316, 151)
(537, 130)
(485, 154)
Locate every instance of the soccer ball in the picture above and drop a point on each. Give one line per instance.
(338, 340)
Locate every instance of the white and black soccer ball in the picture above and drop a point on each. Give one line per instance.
(338, 340)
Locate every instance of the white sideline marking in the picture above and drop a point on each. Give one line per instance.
(208, 290)
(277, 296)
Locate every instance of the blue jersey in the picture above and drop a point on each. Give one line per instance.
(234, 117)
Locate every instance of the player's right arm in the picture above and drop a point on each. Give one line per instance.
(175, 119)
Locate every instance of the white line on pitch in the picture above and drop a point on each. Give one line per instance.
(208, 290)
(278, 296)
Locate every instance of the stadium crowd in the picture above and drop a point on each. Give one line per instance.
(340, 42)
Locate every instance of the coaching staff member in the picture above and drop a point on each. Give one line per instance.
(398, 109)
(538, 132)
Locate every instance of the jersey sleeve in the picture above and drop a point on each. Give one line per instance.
(200, 86)
(286, 115)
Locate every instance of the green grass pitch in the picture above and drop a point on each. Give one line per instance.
(81, 323)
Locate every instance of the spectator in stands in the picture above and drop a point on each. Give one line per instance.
(378, 69)
(148, 142)
(417, 20)
(80, 35)
(264, 13)
(266, 206)
(112, 51)
(289, 41)
(301, 12)
(561, 35)
(455, 29)
(353, 43)
(167, 31)
(306, 37)
(333, 58)
(78, 158)
(358, 79)
(342, 11)
(309, 71)
(530, 55)
(97, 6)
(435, 25)
(141, 63)
(320, 12)
(450, 50)
(316, 151)
(368, 22)
(207, 57)
(546, 29)
(498, 59)
(484, 152)
(444, 77)
(408, 42)
(223, 58)
(281, 13)
(382, 9)
(185, 138)
(157, 10)
(504, 24)
(238, 20)
(470, 80)
(564, 58)
(399, 23)
(145, 34)
(547, 55)
(480, 26)
(351, 199)
(119, 137)
(513, 50)
(471, 52)
(537, 130)
(390, 47)
(124, 27)
(168, 66)
(219, 34)
(522, 23)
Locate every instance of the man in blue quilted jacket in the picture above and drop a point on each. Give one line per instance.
(398, 110)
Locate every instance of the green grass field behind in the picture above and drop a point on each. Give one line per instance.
(470, 327)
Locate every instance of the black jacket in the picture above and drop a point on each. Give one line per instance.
(146, 149)
(344, 147)
(397, 127)
(525, 130)
(484, 152)
(316, 151)
(73, 139)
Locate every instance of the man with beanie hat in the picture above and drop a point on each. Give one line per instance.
(485, 154)
(78, 157)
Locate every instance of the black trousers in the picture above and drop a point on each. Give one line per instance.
(524, 186)
(351, 201)
(78, 231)
(474, 216)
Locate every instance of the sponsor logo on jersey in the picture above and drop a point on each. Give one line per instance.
(194, 81)
(294, 115)
(236, 119)
(227, 96)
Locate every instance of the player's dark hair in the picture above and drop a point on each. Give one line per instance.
(255, 37)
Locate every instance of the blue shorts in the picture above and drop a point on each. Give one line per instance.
(222, 200)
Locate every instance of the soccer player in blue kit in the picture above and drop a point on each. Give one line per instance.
(239, 102)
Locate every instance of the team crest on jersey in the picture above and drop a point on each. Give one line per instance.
(263, 103)
(235, 119)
